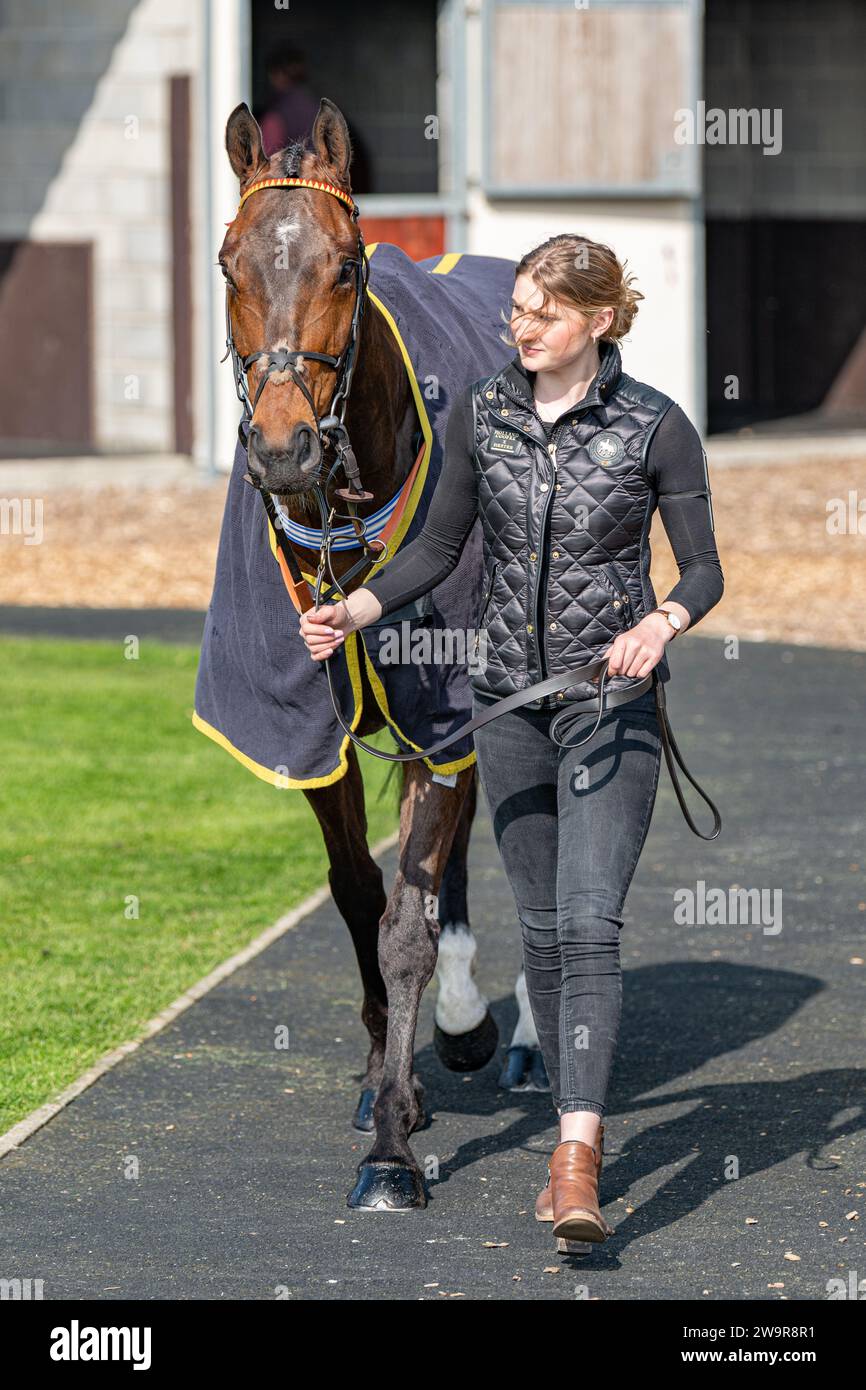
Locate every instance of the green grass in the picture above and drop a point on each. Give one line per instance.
(107, 791)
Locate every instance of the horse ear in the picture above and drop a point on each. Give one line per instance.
(244, 143)
(331, 142)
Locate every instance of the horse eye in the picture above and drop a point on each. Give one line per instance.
(228, 279)
(347, 271)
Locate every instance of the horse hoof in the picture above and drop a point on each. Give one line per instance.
(387, 1185)
(524, 1070)
(516, 1065)
(362, 1120)
(538, 1078)
(467, 1051)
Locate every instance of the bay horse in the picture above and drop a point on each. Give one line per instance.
(397, 936)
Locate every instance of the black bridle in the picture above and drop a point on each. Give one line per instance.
(330, 428)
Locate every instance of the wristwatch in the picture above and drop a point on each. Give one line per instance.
(675, 622)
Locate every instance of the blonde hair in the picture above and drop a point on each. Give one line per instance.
(585, 275)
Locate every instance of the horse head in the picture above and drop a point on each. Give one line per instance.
(292, 260)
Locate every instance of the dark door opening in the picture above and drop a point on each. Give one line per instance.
(786, 232)
(377, 62)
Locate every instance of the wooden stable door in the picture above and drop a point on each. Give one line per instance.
(46, 359)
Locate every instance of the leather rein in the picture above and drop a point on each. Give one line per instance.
(332, 432)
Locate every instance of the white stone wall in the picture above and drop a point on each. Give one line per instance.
(87, 158)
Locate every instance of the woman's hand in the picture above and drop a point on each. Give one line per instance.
(636, 652)
(325, 629)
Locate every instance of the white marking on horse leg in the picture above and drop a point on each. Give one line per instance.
(460, 1005)
(524, 1032)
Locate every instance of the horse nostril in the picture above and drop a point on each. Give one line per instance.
(307, 445)
(256, 456)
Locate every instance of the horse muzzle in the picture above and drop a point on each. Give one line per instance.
(289, 470)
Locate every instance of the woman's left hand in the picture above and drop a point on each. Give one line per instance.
(636, 652)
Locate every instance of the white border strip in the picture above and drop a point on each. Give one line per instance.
(24, 1128)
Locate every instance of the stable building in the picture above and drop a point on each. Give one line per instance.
(716, 147)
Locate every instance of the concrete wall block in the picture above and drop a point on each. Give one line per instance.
(123, 431)
(57, 55)
(28, 212)
(83, 15)
(149, 244)
(151, 55)
(82, 201)
(136, 198)
(131, 96)
(154, 390)
(34, 147)
(122, 290)
(60, 102)
(107, 147)
(135, 339)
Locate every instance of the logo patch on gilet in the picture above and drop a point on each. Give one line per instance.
(606, 448)
(504, 441)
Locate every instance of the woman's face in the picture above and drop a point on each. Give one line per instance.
(553, 337)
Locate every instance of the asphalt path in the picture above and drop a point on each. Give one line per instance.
(182, 625)
(212, 1165)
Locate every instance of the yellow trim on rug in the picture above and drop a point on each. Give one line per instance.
(448, 262)
(277, 779)
(382, 701)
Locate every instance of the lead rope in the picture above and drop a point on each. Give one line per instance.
(669, 744)
(549, 687)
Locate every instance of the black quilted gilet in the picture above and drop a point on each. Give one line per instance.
(565, 528)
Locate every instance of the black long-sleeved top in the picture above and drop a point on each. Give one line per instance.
(674, 464)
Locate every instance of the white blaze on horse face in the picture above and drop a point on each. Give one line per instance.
(460, 1006)
(287, 231)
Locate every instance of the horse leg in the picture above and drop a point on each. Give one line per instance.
(523, 1068)
(389, 1177)
(465, 1035)
(359, 894)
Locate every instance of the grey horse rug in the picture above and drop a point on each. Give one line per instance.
(258, 694)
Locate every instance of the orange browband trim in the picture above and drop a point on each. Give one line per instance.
(299, 183)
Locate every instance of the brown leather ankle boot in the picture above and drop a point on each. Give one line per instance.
(544, 1200)
(574, 1189)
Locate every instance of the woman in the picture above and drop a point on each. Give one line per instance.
(565, 458)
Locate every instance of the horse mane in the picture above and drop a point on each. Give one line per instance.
(290, 162)
(291, 159)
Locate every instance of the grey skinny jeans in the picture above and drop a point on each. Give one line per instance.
(570, 825)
